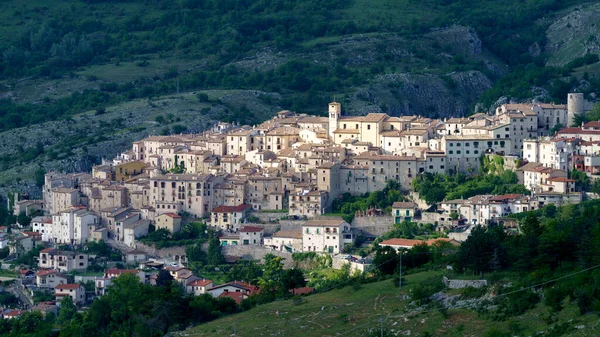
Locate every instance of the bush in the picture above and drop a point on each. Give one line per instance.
(515, 304)
(422, 292)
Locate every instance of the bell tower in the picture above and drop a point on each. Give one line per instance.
(335, 112)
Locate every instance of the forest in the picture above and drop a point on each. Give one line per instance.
(220, 33)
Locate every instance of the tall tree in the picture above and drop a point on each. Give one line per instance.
(215, 256)
(271, 281)
(67, 310)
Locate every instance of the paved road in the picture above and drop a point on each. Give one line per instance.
(22, 298)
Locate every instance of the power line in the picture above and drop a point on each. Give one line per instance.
(346, 282)
(315, 293)
(498, 296)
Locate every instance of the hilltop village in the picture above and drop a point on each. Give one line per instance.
(289, 170)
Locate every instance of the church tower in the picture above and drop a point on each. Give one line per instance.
(335, 112)
(575, 106)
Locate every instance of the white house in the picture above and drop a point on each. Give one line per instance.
(251, 235)
(75, 291)
(325, 235)
(49, 279)
(286, 240)
(63, 261)
(135, 230)
(198, 287)
(70, 227)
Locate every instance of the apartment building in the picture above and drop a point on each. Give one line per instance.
(327, 235)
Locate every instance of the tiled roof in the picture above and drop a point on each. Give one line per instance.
(326, 221)
(172, 215)
(199, 283)
(401, 204)
(251, 229)
(231, 209)
(46, 272)
(68, 286)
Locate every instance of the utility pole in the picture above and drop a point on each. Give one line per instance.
(400, 273)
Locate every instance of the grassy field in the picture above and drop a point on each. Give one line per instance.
(8, 273)
(359, 312)
(130, 71)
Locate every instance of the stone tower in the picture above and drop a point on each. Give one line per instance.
(575, 106)
(335, 112)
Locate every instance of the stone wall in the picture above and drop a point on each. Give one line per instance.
(257, 253)
(372, 225)
(170, 252)
(460, 284)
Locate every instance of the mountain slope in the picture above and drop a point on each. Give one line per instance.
(359, 312)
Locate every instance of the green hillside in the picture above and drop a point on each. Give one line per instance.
(362, 312)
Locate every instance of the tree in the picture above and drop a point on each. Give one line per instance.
(67, 310)
(582, 181)
(386, 260)
(160, 234)
(293, 278)
(4, 252)
(271, 282)
(245, 270)
(8, 299)
(215, 257)
(163, 278)
(23, 219)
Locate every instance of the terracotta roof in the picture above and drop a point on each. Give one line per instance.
(578, 131)
(506, 197)
(302, 291)
(46, 272)
(562, 179)
(13, 313)
(251, 229)
(114, 271)
(200, 283)
(68, 286)
(401, 204)
(48, 250)
(592, 124)
(231, 209)
(238, 297)
(172, 215)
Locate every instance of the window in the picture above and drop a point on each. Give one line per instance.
(368, 126)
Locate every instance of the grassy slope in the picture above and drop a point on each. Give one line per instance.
(348, 312)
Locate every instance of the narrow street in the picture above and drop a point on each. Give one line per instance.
(16, 290)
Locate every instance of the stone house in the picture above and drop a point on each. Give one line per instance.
(169, 221)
